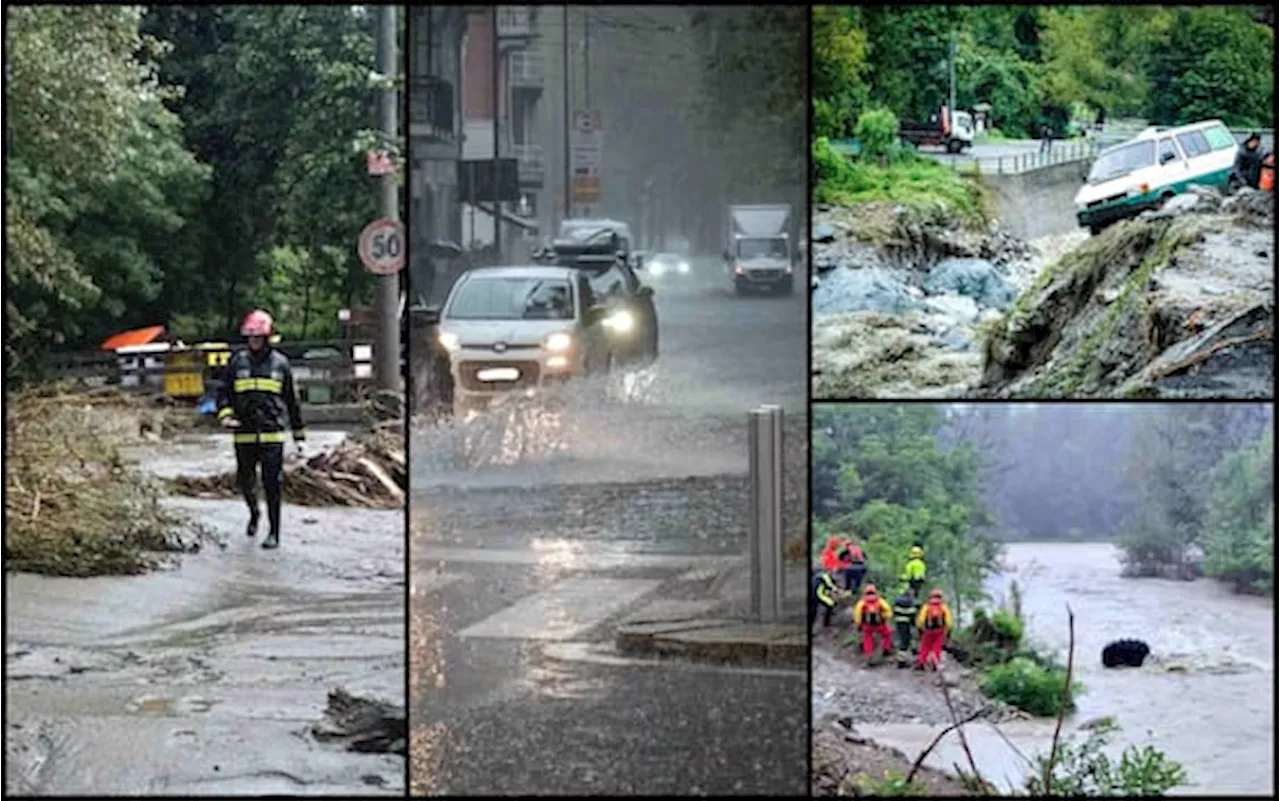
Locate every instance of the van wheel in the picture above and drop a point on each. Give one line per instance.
(1094, 230)
(954, 146)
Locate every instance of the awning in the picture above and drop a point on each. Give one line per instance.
(138, 336)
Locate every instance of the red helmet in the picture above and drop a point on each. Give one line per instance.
(257, 324)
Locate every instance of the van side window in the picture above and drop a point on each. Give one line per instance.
(1219, 138)
(1168, 152)
(1194, 143)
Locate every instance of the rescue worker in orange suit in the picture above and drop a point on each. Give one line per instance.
(832, 562)
(855, 569)
(871, 615)
(934, 622)
(257, 403)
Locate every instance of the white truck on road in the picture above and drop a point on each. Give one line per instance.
(760, 252)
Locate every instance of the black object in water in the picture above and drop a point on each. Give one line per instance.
(1125, 653)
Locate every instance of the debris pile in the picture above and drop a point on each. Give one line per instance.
(73, 506)
(368, 471)
(362, 724)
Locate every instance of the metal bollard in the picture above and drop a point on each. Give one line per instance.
(765, 529)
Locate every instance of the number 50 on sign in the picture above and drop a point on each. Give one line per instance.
(382, 246)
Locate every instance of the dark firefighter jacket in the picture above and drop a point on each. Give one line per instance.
(258, 391)
(1249, 165)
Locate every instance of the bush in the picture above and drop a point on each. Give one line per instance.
(877, 129)
(1029, 686)
(1082, 769)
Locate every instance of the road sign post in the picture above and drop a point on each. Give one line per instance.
(381, 246)
(586, 158)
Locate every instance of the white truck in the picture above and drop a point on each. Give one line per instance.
(760, 253)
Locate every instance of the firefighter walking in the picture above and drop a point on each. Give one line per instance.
(257, 402)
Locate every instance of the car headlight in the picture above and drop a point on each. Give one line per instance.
(656, 269)
(558, 342)
(683, 267)
(448, 341)
(620, 321)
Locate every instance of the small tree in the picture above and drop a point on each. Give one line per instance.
(877, 130)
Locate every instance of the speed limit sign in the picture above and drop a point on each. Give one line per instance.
(382, 246)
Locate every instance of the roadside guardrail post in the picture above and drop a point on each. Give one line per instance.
(765, 526)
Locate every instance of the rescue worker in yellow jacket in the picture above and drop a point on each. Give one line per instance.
(824, 592)
(871, 614)
(934, 622)
(915, 571)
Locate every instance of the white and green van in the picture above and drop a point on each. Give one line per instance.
(1151, 168)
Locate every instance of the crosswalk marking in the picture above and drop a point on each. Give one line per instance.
(564, 611)
(578, 558)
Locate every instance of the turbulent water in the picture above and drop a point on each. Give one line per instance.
(1205, 695)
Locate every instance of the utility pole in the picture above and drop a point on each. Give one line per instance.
(387, 300)
(564, 43)
(951, 107)
(497, 206)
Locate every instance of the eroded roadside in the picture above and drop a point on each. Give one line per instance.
(207, 678)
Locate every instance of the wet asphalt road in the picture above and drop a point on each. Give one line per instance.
(206, 678)
(524, 555)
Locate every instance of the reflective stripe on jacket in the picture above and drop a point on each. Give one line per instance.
(258, 391)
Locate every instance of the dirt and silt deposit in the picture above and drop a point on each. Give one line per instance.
(222, 669)
(1176, 303)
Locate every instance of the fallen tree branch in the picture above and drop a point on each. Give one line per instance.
(925, 753)
(964, 741)
(1206, 354)
(1066, 697)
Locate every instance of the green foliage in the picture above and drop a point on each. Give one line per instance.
(839, 69)
(1239, 535)
(918, 183)
(1216, 61)
(1038, 65)
(1029, 686)
(182, 163)
(881, 475)
(893, 785)
(1082, 768)
(877, 130)
(100, 192)
(1177, 450)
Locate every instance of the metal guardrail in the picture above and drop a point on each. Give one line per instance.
(765, 435)
(1059, 152)
(325, 371)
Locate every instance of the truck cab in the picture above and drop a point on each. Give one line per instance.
(760, 252)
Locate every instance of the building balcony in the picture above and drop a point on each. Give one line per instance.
(432, 113)
(524, 70)
(515, 21)
(530, 166)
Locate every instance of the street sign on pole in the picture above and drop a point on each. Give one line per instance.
(379, 162)
(382, 246)
(586, 157)
(586, 120)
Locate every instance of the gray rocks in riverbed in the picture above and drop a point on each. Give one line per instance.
(872, 289)
(972, 278)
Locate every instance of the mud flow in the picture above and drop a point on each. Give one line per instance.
(211, 677)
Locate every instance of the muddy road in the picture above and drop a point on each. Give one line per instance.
(206, 678)
(536, 528)
(1205, 696)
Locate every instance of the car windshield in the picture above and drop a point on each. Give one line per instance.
(511, 298)
(762, 248)
(1122, 161)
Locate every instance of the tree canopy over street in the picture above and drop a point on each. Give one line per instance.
(180, 165)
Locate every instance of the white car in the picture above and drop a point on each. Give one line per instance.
(522, 328)
(1152, 167)
(661, 265)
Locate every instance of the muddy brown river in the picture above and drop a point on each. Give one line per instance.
(1205, 697)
